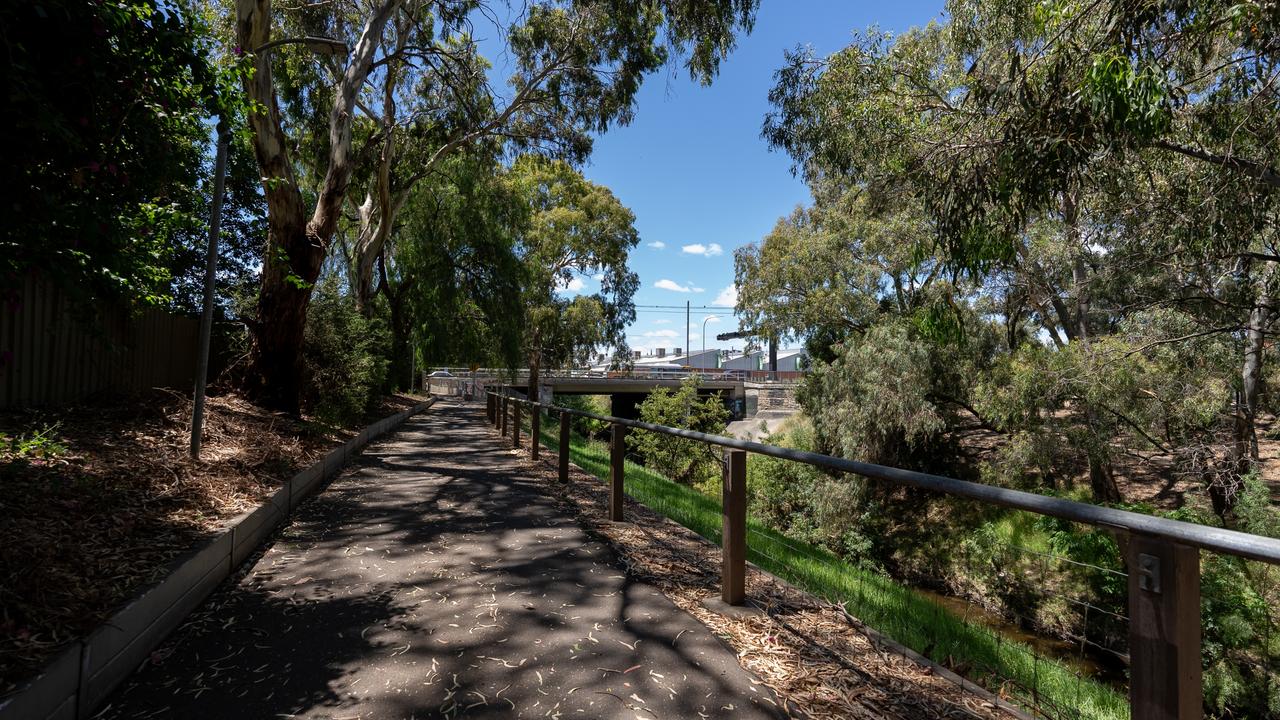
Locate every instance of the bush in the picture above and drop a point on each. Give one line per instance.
(344, 357)
(808, 504)
(685, 461)
(586, 427)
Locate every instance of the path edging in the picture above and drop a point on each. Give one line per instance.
(81, 676)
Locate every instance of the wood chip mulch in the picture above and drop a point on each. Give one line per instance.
(806, 650)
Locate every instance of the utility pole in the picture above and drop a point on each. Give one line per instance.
(210, 274)
(686, 331)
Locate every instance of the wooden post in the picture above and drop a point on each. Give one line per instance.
(1164, 630)
(505, 403)
(515, 424)
(488, 407)
(617, 472)
(563, 459)
(733, 550)
(535, 431)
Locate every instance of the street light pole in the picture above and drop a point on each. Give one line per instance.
(210, 275)
(704, 331)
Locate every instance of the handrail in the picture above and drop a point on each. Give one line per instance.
(1230, 542)
(712, 374)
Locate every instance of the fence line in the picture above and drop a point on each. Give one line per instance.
(50, 355)
(1162, 555)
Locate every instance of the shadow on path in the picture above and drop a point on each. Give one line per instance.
(434, 579)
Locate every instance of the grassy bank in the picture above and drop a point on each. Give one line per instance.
(1007, 667)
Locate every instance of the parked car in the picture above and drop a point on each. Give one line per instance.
(441, 374)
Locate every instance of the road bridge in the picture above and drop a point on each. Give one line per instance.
(626, 389)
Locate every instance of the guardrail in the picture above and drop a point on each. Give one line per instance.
(1162, 554)
(760, 376)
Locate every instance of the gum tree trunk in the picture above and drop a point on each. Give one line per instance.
(296, 246)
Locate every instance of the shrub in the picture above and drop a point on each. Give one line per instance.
(586, 427)
(344, 357)
(684, 461)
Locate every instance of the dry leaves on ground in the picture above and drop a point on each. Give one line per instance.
(805, 650)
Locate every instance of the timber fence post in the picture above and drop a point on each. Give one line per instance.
(1164, 630)
(617, 472)
(535, 431)
(563, 458)
(505, 404)
(515, 423)
(733, 538)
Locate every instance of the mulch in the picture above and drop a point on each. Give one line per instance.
(84, 528)
(806, 650)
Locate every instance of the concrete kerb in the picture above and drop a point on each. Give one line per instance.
(84, 674)
(253, 527)
(117, 648)
(300, 485)
(53, 693)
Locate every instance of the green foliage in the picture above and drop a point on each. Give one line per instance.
(41, 444)
(873, 402)
(454, 278)
(1132, 102)
(345, 358)
(575, 227)
(105, 129)
(594, 404)
(685, 461)
(809, 505)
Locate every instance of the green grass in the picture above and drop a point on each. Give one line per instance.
(894, 609)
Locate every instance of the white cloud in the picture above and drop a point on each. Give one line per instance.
(660, 334)
(673, 286)
(598, 277)
(696, 289)
(704, 250)
(712, 320)
(728, 297)
(575, 285)
(657, 244)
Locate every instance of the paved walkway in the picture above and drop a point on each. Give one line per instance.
(434, 579)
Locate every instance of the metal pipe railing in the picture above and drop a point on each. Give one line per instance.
(1162, 554)
(1221, 540)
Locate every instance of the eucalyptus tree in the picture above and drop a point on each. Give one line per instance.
(577, 67)
(451, 274)
(1013, 118)
(575, 228)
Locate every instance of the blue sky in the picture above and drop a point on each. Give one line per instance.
(699, 178)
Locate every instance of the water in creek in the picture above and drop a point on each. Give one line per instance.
(1099, 665)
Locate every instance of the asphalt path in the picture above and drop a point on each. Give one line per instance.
(435, 578)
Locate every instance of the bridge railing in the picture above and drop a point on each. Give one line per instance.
(1162, 555)
(640, 373)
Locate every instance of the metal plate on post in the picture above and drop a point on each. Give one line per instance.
(1164, 630)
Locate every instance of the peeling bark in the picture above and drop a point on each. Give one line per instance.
(296, 246)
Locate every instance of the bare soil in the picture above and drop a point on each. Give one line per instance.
(85, 526)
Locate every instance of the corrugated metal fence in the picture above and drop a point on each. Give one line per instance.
(50, 356)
